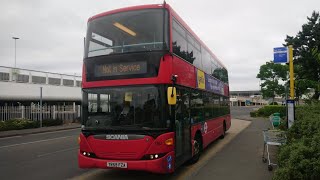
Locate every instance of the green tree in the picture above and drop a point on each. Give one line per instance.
(221, 73)
(270, 74)
(306, 46)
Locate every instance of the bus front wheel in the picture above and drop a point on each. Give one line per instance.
(197, 149)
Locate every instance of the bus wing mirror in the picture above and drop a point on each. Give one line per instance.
(172, 95)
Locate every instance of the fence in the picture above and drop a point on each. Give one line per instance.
(65, 113)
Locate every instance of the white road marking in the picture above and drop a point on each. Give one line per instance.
(55, 152)
(32, 142)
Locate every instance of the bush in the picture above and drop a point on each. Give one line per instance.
(300, 157)
(52, 122)
(254, 114)
(16, 124)
(266, 111)
(284, 124)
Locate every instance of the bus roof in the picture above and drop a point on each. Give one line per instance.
(131, 8)
(154, 6)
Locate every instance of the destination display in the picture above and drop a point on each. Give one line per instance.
(116, 69)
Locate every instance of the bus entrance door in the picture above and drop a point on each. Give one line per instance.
(182, 127)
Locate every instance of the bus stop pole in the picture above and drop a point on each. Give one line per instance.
(290, 106)
(291, 72)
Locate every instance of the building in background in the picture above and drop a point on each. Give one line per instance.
(20, 94)
(247, 98)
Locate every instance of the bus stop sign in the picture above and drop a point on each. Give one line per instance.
(280, 55)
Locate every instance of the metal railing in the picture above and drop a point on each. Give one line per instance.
(65, 113)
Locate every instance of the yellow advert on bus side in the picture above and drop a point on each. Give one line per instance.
(201, 80)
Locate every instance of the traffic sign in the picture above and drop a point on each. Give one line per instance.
(280, 55)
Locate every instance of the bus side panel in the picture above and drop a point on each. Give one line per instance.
(185, 72)
(211, 133)
(228, 121)
(213, 130)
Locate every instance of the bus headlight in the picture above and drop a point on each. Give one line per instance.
(88, 154)
(153, 156)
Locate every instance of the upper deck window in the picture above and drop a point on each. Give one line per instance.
(131, 31)
(184, 45)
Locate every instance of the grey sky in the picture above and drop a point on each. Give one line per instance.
(241, 33)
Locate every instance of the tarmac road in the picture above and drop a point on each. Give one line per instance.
(50, 155)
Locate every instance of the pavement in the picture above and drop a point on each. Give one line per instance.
(241, 158)
(38, 130)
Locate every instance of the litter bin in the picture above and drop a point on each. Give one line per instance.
(276, 114)
(276, 119)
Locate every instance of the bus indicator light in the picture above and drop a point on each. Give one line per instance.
(169, 142)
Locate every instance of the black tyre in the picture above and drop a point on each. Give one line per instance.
(224, 130)
(264, 160)
(197, 149)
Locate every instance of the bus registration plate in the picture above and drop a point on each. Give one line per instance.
(117, 164)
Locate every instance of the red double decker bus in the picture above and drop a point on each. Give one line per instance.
(154, 95)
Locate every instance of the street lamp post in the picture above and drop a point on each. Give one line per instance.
(15, 51)
(15, 59)
(40, 106)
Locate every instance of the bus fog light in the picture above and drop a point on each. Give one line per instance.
(156, 156)
(84, 153)
(88, 154)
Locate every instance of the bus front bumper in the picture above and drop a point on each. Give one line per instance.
(162, 165)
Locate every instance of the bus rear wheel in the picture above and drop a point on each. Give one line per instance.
(197, 149)
(224, 130)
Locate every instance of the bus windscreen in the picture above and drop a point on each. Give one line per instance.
(126, 107)
(124, 32)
